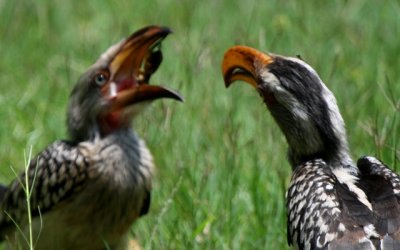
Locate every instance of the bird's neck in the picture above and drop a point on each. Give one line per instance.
(121, 136)
(113, 122)
(318, 138)
(317, 133)
(125, 157)
(335, 159)
(100, 129)
(334, 152)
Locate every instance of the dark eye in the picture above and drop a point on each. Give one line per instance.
(101, 79)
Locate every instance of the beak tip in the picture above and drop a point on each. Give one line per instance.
(227, 75)
(166, 30)
(162, 31)
(169, 93)
(227, 83)
(179, 98)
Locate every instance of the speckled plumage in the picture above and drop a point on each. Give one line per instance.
(332, 203)
(93, 189)
(88, 190)
(324, 213)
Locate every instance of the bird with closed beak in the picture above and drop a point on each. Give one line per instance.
(332, 202)
(87, 191)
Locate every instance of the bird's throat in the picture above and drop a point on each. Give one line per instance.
(268, 98)
(112, 122)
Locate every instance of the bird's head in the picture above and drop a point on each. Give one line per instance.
(116, 86)
(304, 108)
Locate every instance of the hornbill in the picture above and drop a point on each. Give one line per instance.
(88, 190)
(332, 203)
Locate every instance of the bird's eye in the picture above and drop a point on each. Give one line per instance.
(101, 79)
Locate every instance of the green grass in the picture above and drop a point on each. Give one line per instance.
(222, 170)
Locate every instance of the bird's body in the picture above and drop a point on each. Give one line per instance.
(106, 185)
(329, 208)
(332, 202)
(88, 190)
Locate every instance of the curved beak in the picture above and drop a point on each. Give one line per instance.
(133, 62)
(141, 93)
(242, 63)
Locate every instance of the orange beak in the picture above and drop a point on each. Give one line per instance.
(135, 60)
(242, 63)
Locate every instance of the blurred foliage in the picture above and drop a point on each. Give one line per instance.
(222, 170)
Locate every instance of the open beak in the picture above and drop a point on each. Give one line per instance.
(141, 93)
(242, 63)
(130, 69)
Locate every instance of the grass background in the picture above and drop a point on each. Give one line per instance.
(222, 172)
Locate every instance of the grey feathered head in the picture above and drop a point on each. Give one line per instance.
(304, 108)
(116, 86)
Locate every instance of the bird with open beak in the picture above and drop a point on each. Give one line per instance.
(332, 202)
(88, 190)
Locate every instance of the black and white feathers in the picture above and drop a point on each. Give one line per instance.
(332, 203)
(87, 191)
(330, 209)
